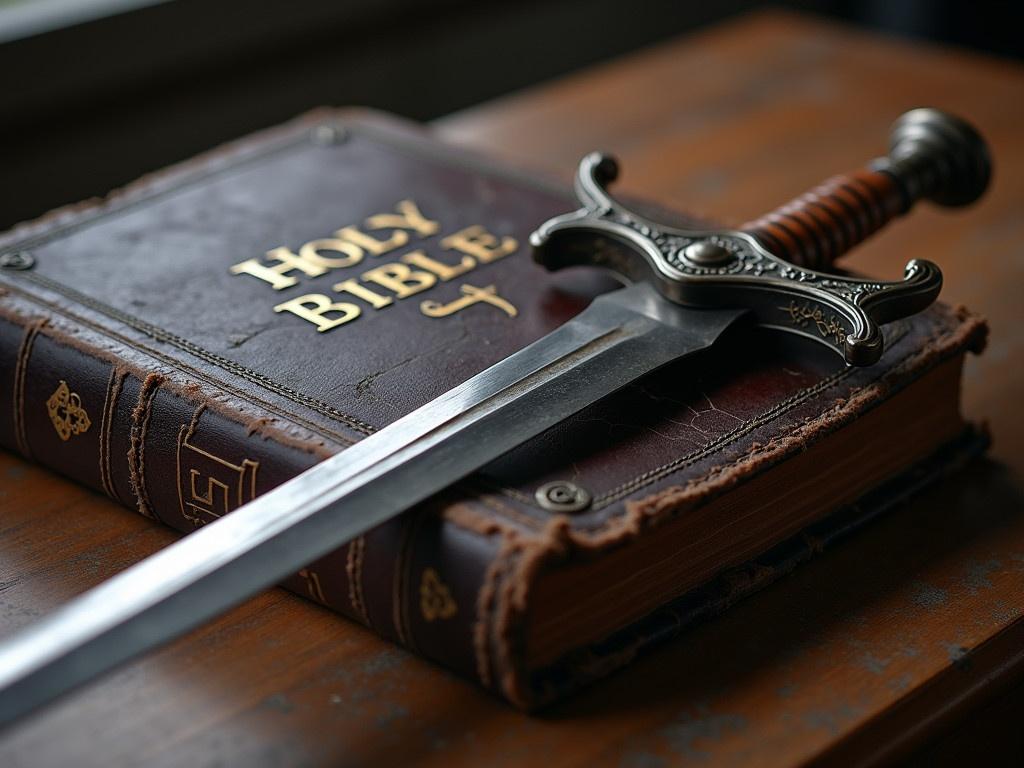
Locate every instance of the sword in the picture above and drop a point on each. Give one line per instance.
(688, 288)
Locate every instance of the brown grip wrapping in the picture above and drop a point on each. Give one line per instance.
(818, 227)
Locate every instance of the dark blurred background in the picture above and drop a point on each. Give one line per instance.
(95, 93)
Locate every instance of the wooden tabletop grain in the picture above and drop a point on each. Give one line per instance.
(909, 637)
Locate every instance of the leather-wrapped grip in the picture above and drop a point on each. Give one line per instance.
(820, 226)
(932, 155)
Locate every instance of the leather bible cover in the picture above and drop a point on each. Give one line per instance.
(144, 353)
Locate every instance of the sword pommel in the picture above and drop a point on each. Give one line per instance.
(937, 156)
(932, 156)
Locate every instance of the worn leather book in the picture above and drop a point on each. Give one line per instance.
(213, 330)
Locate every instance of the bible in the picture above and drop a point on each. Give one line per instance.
(213, 330)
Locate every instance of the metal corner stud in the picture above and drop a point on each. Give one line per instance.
(563, 496)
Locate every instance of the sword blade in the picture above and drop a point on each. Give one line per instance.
(620, 337)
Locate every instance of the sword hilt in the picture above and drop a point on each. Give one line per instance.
(932, 155)
(770, 266)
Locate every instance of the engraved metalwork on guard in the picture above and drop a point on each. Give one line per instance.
(689, 288)
(729, 268)
(932, 155)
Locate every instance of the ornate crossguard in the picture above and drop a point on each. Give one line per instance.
(771, 265)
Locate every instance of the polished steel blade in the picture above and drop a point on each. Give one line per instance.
(620, 337)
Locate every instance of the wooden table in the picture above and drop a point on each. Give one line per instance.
(910, 631)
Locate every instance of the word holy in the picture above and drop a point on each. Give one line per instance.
(413, 272)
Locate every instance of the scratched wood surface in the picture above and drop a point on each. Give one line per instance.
(908, 638)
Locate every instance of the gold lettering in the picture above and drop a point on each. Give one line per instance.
(445, 271)
(227, 485)
(320, 306)
(208, 498)
(471, 295)
(375, 300)
(310, 252)
(478, 242)
(399, 279)
(307, 261)
(373, 245)
(408, 217)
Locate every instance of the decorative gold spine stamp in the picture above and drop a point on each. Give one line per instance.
(436, 601)
(66, 412)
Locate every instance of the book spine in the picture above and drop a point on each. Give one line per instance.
(183, 453)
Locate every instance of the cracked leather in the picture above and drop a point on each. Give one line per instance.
(185, 371)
